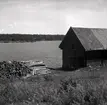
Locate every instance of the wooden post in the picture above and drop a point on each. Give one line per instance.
(102, 61)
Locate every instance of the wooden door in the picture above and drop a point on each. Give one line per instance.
(73, 60)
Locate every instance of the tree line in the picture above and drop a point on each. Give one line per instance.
(29, 37)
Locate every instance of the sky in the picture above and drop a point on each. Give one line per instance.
(51, 16)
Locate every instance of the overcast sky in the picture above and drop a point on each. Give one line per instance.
(51, 16)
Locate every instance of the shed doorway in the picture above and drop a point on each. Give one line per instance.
(76, 62)
(72, 63)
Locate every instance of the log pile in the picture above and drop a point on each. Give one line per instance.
(10, 69)
(13, 69)
(37, 67)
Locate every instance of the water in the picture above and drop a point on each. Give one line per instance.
(47, 51)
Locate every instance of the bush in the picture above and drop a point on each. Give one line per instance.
(73, 93)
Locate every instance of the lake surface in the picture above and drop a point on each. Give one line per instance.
(47, 51)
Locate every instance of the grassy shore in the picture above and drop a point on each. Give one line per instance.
(86, 86)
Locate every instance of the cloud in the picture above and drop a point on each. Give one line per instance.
(51, 16)
(1, 30)
(87, 18)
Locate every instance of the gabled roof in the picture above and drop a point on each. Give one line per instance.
(90, 38)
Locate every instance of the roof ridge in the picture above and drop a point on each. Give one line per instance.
(90, 38)
(89, 27)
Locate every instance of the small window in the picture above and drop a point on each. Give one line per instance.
(73, 47)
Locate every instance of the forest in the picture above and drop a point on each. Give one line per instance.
(28, 37)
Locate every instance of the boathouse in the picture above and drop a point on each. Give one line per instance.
(83, 44)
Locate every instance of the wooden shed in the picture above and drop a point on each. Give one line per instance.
(82, 44)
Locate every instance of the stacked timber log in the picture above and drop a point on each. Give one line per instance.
(10, 69)
(37, 67)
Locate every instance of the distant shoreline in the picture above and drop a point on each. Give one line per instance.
(21, 38)
(26, 41)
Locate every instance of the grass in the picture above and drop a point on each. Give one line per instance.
(81, 87)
